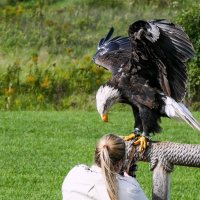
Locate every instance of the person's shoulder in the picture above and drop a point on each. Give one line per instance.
(85, 170)
(79, 169)
(82, 174)
(76, 173)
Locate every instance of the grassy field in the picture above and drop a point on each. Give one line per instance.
(37, 149)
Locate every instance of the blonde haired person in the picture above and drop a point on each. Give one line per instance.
(102, 181)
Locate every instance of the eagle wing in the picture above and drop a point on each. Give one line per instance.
(113, 54)
(160, 49)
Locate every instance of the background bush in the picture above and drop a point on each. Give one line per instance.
(189, 18)
(46, 48)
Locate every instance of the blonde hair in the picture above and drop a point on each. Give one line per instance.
(110, 151)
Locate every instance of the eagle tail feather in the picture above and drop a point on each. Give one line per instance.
(179, 111)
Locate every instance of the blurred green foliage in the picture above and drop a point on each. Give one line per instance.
(189, 18)
(46, 47)
(50, 87)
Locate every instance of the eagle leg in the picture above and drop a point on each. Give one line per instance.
(132, 135)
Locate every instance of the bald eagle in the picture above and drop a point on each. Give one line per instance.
(148, 73)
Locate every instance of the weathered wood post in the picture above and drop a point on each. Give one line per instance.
(160, 183)
(162, 156)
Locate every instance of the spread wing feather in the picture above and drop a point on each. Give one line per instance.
(103, 40)
(167, 48)
(157, 51)
(113, 53)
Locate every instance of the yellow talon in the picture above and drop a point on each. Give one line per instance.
(142, 141)
(129, 137)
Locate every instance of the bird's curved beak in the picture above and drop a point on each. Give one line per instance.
(104, 117)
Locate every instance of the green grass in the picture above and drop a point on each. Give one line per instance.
(37, 149)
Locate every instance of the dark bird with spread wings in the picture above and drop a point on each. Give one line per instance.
(148, 72)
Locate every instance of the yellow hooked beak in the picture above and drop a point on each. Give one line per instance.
(104, 117)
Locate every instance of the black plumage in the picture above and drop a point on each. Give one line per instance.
(148, 72)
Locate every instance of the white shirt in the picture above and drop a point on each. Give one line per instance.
(84, 183)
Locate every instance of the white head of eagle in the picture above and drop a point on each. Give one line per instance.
(106, 96)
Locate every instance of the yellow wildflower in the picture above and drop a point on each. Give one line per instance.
(45, 83)
(9, 91)
(30, 79)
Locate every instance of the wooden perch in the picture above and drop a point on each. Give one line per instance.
(162, 156)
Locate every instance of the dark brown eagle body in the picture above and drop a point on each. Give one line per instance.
(146, 102)
(149, 73)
